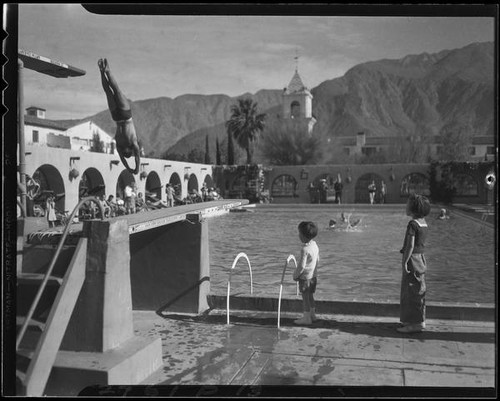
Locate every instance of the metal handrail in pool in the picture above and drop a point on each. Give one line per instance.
(240, 255)
(290, 257)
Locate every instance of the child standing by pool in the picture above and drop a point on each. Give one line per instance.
(307, 270)
(414, 266)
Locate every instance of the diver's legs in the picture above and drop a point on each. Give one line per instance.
(119, 98)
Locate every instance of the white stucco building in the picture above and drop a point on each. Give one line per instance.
(40, 131)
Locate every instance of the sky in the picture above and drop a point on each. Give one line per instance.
(155, 56)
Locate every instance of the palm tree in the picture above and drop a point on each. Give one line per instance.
(245, 125)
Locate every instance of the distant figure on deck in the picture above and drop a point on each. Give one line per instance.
(338, 189)
(372, 189)
(170, 195)
(50, 210)
(127, 144)
(383, 192)
(129, 200)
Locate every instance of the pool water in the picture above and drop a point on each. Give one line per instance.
(363, 264)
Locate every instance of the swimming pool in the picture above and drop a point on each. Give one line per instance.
(364, 264)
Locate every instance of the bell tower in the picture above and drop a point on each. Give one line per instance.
(297, 101)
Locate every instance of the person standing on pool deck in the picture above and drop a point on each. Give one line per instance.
(414, 266)
(125, 136)
(371, 191)
(307, 270)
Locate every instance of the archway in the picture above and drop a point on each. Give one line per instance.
(361, 188)
(414, 183)
(322, 189)
(125, 178)
(284, 186)
(192, 183)
(91, 184)
(208, 181)
(153, 185)
(51, 183)
(175, 181)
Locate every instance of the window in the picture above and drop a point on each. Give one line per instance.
(472, 151)
(368, 151)
(414, 183)
(490, 150)
(295, 109)
(284, 186)
(35, 136)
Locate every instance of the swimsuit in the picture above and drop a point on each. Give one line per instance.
(121, 115)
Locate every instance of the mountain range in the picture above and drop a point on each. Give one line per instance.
(448, 90)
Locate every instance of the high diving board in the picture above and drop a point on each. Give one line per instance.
(45, 65)
(155, 218)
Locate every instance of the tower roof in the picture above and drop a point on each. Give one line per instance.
(296, 84)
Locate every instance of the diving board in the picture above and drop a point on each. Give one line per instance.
(155, 218)
(45, 65)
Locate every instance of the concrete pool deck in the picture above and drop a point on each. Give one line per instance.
(338, 355)
(344, 351)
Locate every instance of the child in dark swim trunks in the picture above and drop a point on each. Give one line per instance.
(307, 269)
(119, 106)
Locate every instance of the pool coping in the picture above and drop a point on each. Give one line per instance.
(434, 310)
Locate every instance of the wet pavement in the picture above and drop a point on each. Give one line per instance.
(336, 350)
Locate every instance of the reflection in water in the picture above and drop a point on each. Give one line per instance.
(362, 264)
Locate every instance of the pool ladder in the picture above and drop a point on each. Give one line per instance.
(290, 258)
(244, 255)
(238, 257)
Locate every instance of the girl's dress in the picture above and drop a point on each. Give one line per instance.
(51, 212)
(413, 288)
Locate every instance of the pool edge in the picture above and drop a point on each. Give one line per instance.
(434, 310)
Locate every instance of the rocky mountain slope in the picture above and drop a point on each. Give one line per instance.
(430, 93)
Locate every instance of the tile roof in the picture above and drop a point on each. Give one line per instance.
(296, 84)
(45, 123)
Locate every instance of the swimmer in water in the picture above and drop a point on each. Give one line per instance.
(332, 224)
(353, 224)
(443, 215)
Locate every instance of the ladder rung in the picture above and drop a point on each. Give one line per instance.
(37, 277)
(33, 322)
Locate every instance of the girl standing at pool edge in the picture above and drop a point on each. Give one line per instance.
(414, 266)
(307, 270)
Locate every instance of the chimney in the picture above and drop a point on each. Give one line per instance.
(36, 112)
(360, 139)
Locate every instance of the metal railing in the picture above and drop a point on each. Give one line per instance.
(290, 258)
(52, 264)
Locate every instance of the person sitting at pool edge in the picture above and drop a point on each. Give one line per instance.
(119, 106)
(307, 270)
